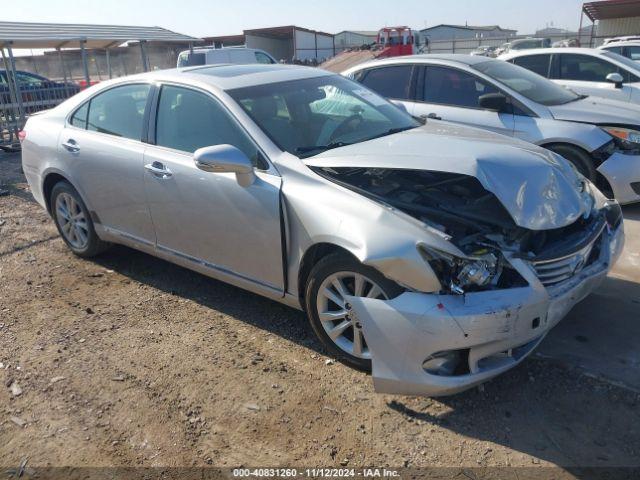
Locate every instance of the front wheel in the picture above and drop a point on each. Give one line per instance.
(331, 280)
(579, 158)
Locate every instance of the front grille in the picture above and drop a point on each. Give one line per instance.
(556, 270)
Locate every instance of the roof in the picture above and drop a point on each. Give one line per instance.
(603, 10)
(58, 35)
(446, 57)
(284, 31)
(366, 33)
(228, 77)
(530, 51)
(470, 27)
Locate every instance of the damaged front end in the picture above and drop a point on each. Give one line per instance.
(502, 287)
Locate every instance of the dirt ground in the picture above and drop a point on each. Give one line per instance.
(130, 360)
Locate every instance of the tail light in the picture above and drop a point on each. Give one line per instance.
(22, 135)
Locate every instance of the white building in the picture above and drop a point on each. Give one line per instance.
(288, 43)
(354, 38)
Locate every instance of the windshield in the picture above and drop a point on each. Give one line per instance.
(306, 117)
(526, 83)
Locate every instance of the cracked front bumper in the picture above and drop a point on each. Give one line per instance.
(496, 329)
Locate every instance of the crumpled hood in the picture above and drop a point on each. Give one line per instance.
(598, 111)
(538, 188)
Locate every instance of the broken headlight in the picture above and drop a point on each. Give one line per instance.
(480, 270)
(628, 135)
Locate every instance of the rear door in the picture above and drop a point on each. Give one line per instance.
(208, 217)
(587, 75)
(451, 94)
(102, 146)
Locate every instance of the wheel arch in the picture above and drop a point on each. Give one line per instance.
(50, 179)
(309, 259)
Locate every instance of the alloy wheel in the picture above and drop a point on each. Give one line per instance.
(72, 221)
(334, 311)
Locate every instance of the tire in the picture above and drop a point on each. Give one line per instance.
(579, 158)
(73, 221)
(343, 270)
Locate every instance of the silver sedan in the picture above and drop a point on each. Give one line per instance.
(601, 137)
(437, 255)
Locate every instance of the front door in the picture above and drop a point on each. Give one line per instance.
(587, 75)
(102, 147)
(450, 94)
(208, 217)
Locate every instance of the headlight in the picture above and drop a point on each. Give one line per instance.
(625, 134)
(477, 272)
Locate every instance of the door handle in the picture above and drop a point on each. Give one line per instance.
(434, 116)
(158, 170)
(71, 145)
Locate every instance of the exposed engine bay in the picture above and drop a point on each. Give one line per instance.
(474, 219)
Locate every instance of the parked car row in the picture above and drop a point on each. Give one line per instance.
(436, 254)
(36, 88)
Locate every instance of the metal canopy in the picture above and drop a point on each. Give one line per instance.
(61, 35)
(606, 9)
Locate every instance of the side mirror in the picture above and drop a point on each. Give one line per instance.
(493, 101)
(615, 78)
(225, 159)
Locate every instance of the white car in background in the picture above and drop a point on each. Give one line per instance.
(626, 48)
(587, 71)
(225, 55)
(600, 137)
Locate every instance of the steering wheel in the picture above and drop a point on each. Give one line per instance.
(347, 125)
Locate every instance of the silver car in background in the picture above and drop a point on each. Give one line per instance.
(600, 137)
(587, 71)
(437, 255)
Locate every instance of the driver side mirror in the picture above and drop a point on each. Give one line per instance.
(225, 159)
(615, 78)
(496, 102)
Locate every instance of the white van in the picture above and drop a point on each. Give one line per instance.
(211, 56)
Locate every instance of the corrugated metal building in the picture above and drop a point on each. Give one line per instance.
(354, 38)
(288, 43)
(613, 18)
(462, 32)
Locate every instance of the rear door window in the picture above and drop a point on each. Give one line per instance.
(262, 58)
(617, 50)
(391, 82)
(633, 52)
(449, 86)
(536, 63)
(119, 111)
(79, 118)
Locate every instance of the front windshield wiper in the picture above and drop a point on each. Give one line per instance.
(578, 97)
(322, 148)
(391, 131)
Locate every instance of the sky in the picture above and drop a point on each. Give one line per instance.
(223, 17)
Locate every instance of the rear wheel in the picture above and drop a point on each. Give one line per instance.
(579, 158)
(331, 280)
(74, 222)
